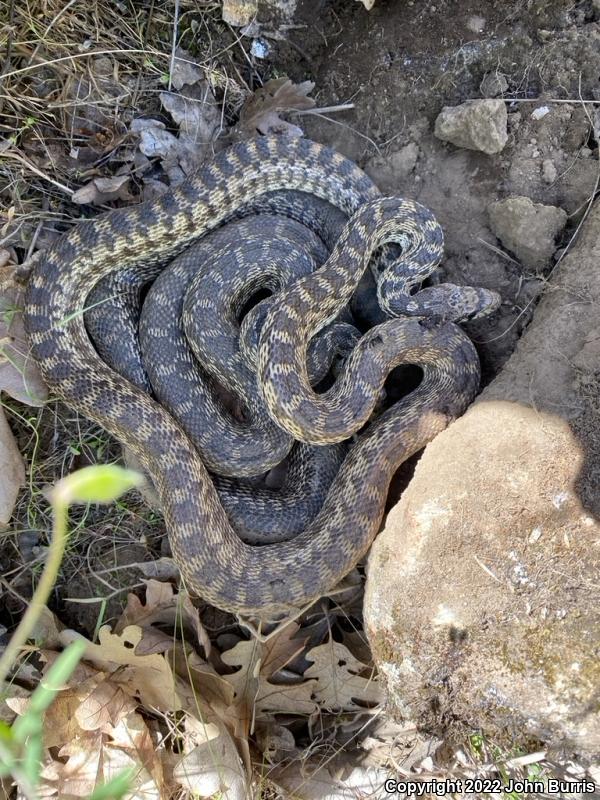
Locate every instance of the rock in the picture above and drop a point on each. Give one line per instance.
(476, 24)
(475, 125)
(527, 229)
(482, 603)
(239, 12)
(493, 84)
(549, 171)
(387, 172)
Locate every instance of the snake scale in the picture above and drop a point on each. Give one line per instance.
(271, 579)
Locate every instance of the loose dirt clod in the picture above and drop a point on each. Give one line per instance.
(529, 230)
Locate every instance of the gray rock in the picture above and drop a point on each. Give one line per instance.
(475, 125)
(481, 604)
(527, 229)
(493, 84)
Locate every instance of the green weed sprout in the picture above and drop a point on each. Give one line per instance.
(21, 745)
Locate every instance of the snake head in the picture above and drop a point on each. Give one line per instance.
(447, 302)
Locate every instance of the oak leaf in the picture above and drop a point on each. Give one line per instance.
(262, 111)
(257, 697)
(340, 682)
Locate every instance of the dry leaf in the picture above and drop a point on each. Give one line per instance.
(368, 4)
(194, 110)
(104, 190)
(19, 374)
(185, 71)
(339, 679)
(157, 142)
(21, 379)
(155, 139)
(46, 632)
(197, 115)
(313, 781)
(95, 758)
(210, 765)
(131, 735)
(165, 607)
(261, 112)
(147, 678)
(11, 707)
(256, 697)
(12, 470)
(206, 681)
(103, 707)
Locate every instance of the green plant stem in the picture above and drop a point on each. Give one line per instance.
(42, 592)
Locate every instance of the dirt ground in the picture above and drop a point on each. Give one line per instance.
(398, 65)
(402, 62)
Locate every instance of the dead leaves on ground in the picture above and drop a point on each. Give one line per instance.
(157, 157)
(262, 111)
(19, 378)
(153, 695)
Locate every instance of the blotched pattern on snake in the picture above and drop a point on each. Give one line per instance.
(214, 562)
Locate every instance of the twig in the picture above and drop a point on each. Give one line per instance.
(326, 109)
(173, 44)
(33, 168)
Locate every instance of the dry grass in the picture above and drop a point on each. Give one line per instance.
(72, 77)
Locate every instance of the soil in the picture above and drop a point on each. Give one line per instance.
(402, 62)
(399, 65)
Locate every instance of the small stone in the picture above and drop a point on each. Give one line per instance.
(475, 125)
(549, 173)
(540, 112)
(514, 121)
(239, 12)
(260, 48)
(527, 229)
(493, 84)
(476, 24)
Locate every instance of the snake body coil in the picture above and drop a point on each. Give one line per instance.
(214, 562)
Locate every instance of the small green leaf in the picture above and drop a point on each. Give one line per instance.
(6, 735)
(98, 484)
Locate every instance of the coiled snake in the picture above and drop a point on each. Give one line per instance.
(214, 562)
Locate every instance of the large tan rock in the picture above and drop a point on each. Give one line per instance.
(482, 602)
